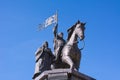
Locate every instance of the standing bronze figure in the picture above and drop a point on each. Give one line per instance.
(44, 59)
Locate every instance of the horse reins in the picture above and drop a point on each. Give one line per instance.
(83, 45)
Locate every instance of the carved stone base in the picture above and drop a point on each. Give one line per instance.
(63, 74)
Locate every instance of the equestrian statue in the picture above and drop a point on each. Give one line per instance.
(66, 54)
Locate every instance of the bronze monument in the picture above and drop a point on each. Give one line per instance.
(64, 62)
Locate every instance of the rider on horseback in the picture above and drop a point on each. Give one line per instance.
(59, 42)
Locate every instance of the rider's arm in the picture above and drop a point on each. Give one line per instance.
(55, 30)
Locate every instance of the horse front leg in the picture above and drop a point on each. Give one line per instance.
(77, 61)
(68, 60)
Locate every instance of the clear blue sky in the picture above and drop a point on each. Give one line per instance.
(19, 37)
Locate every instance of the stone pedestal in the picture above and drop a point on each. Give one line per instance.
(63, 74)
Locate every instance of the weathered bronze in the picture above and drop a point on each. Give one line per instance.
(59, 42)
(71, 54)
(44, 59)
(66, 53)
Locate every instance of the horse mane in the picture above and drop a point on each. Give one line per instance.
(70, 31)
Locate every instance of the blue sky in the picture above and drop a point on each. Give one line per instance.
(19, 37)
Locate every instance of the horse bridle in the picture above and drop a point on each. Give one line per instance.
(78, 42)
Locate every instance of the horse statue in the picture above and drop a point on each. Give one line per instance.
(71, 54)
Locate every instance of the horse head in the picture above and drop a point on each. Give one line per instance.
(79, 30)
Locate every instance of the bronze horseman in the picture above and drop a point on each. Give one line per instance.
(68, 53)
